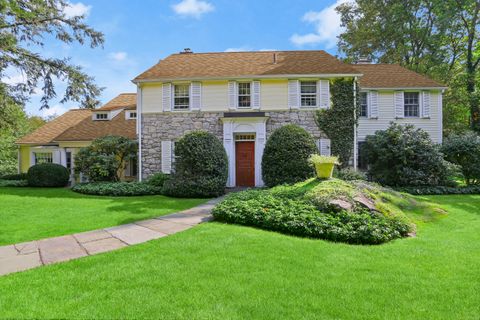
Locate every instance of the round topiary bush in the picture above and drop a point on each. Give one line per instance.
(200, 167)
(285, 158)
(47, 175)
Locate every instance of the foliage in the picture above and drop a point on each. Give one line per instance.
(440, 190)
(349, 174)
(13, 183)
(338, 122)
(201, 168)
(464, 150)
(48, 175)
(318, 159)
(158, 179)
(25, 25)
(106, 158)
(15, 176)
(117, 189)
(285, 157)
(438, 38)
(302, 210)
(405, 156)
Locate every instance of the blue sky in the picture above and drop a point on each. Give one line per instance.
(139, 33)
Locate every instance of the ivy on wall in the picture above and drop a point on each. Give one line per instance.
(338, 121)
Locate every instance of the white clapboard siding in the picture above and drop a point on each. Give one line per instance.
(324, 94)
(195, 95)
(256, 94)
(232, 95)
(293, 94)
(167, 97)
(399, 105)
(166, 157)
(426, 102)
(373, 104)
(324, 147)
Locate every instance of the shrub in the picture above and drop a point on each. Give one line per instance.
(16, 176)
(13, 183)
(106, 158)
(349, 174)
(464, 150)
(200, 167)
(288, 209)
(48, 175)
(158, 179)
(117, 188)
(405, 156)
(285, 158)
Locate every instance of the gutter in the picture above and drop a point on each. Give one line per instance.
(139, 131)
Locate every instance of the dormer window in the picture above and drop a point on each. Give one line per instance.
(131, 115)
(101, 116)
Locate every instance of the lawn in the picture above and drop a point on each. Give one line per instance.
(217, 271)
(35, 213)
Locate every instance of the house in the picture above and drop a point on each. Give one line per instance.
(60, 139)
(243, 96)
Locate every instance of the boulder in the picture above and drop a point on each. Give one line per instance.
(365, 202)
(339, 204)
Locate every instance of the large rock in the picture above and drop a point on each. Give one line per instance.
(365, 202)
(339, 205)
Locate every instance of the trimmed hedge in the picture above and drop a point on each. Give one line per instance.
(285, 158)
(158, 179)
(117, 189)
(16, 176)
(48, 175)
(201, 168)
(13, 183)
(440, 190)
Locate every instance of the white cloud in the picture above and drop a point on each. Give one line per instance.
(239, 49)
(118, 56)
(192, 8)
(53, 111)
(327, 27)
(76, 9)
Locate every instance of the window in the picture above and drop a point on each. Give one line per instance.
(361, 159)
(244, 97)
(43, 157)
(69, 160)
(363, 104)
(132, 115)
(101, 116)
(411, 104)
(308, 93)
(181, 97)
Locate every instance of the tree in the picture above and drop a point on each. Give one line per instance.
(24, 26)
(106, 158)
(435, 37)
(464, 150)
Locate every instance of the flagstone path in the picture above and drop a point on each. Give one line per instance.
(28, 255)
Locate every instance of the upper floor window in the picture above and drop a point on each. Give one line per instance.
(101, 116)
(181, 97)
(363, 104)
(43, 157)
(132, 115)
(308, 93)
(411, 104)
(244, 95)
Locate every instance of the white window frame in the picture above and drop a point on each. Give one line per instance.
(308, 95)
(419, 104)
(100, 116)
(183, 107)
(44, 156)
(239, 84)
(129, 115)
(367, 104)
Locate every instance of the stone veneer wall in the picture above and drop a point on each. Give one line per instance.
(171, 126)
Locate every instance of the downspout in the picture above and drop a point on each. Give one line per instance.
(139, 130)
(19, 166)
(355, 147)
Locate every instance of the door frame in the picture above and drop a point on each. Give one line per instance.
(240, 139)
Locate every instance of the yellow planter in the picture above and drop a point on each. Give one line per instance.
(324, 170)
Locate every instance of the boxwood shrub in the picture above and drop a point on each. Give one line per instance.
(48, 175)
(158, 179)
(117, 188)
(200, 168)
(285, 158)
(13, 183)
(16, 176)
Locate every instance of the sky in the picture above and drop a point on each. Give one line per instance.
(139, 33)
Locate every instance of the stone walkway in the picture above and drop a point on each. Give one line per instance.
(28, 255)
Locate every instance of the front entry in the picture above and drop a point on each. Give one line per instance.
(245, 163)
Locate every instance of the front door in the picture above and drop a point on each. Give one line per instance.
(245, 163)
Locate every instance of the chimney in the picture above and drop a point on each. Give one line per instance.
(363, 60)
(186, 51)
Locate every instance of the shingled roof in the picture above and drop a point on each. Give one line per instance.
(392, 76)
(122, 101)
(245, 64)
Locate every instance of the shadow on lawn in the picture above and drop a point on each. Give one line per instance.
(469, 203)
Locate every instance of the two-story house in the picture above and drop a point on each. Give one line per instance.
(241, 97)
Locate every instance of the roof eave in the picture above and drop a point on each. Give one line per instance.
(273, 76)
(404, 88)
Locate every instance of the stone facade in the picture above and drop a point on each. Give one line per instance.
(171, 126)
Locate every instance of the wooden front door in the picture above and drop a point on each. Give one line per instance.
(245, 163)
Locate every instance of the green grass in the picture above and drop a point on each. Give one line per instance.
(217, 271)
(35, 213)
